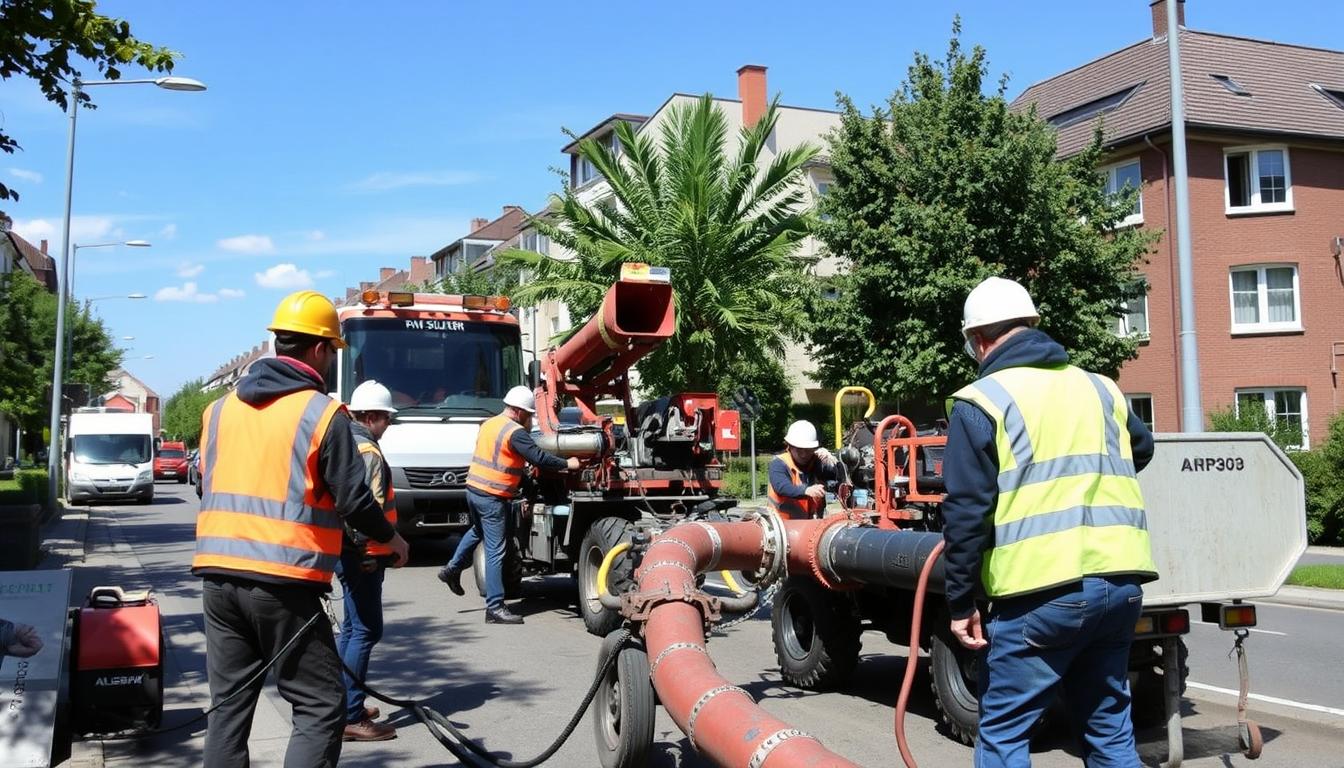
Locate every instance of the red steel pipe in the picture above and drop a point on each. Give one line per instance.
(721, 720)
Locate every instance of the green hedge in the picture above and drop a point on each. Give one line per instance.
(29, 486)
(737, 476)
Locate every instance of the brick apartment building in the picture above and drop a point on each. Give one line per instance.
(1265, 144)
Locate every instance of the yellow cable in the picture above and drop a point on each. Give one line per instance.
(731, 582)
(605, 569)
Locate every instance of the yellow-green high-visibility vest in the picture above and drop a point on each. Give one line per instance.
(1069, 503)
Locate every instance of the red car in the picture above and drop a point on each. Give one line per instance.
(171, 462)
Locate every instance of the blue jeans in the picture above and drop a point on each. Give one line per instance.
(1077, 636)
(489, 523)
(361, 626)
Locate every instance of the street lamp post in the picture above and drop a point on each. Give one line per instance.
(57, 374)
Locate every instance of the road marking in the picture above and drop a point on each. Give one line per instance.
(1248, 629)
(1271, 699)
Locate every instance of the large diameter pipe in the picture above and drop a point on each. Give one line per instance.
(884, 557)
(634, 318)
(584, 445)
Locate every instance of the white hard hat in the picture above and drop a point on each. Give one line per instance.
(996, 300)
(521, 398)
(802, 434)
(371, 396)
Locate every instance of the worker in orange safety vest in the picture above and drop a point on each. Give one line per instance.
(797, 475)
(281, 476)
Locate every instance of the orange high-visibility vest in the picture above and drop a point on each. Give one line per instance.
(496, 468)
(389, 498)
(264, 507)
(795, 509)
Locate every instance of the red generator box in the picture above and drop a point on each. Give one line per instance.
(118, 673)
(728, 431)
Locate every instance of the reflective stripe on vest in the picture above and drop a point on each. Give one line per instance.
(496, 468)
(1069, 503)
(264, 506)
(389, 497)
(795, 509)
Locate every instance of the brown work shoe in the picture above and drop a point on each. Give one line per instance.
(367, 730)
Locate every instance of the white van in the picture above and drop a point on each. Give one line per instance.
(110, 455)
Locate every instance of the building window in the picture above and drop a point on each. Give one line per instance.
(536, 242)
(1142, 406)
(1119, 179)
(1258, 180)
(1286, 408)
(1265, 298)
(584, 171)
(1092, 109)
(1133, 319)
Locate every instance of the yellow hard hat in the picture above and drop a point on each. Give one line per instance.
(310, 313)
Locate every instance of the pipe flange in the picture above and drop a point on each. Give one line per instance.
(653, 668)
(668, 563)
(815, 558)
(715, 541)
(764, 749)
(700, 704)
(774, 548)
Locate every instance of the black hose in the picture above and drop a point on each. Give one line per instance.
(468, 751)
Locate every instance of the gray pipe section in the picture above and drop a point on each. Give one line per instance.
(881, 557)
(584, 445)
(1192, 408)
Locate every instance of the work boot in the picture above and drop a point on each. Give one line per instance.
(367, 730)
(502, 615)
(453, 578)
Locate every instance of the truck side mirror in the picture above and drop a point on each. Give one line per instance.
(534, 373)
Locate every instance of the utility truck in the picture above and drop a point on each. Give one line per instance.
(110, 456)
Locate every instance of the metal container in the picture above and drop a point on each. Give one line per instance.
(584, 445)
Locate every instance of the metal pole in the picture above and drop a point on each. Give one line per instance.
(54, 443)
(69, 300)
(1192, 409)
(751, 426)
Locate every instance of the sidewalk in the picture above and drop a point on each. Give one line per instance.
(1309, 597)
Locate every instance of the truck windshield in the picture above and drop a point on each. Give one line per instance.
(111, 449)
(433, 365)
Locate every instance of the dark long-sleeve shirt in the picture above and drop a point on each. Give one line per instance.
(971, 470)
(782, 480)
(522, 442)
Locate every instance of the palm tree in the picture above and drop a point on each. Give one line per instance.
(728, 227)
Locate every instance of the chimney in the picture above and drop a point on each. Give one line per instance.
(351, 293)
(478, 224)
(1159, 8)
(43, 247)
(751, 90)
(385, 272)
(418, 261)
(365, 285)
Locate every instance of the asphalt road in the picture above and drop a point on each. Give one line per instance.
(515, 687)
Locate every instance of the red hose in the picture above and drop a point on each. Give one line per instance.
(912, 657)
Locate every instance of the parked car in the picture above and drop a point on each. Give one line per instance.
(194, 470)
(171, 463)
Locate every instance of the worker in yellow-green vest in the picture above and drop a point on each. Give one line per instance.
(1043, 514)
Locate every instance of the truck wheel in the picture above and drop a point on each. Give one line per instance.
(1147, 692)
(816, 634)
(600, 537)
(954, 672)
(624, 709)
(513, 570)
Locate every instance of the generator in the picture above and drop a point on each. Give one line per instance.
(117, 681)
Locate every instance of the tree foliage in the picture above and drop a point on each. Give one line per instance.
(936, 191)
(27, 346)
(41, 37)
(1323, 472)
(770, 383)
(499, 280)
(1286, 435)
(727, 224)
(182, 412)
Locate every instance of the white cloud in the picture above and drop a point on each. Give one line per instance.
(83, 229)
(323, 274)
(284, 276)
(247, 244)
(190, 270)
(316, 235)
(168, 232)
(231, 293)
(20, 173)
(386, 181)
(186, 292)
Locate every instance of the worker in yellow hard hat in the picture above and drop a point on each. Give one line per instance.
(281, 475)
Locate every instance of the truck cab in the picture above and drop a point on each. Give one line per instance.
(447, 360)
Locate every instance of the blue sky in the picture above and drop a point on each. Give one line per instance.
(338, 137)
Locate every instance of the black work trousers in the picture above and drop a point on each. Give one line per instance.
(246, 625)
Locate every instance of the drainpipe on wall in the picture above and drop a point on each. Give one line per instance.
(1171, 266)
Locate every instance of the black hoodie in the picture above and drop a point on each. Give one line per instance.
(971, 469)
(338, 456)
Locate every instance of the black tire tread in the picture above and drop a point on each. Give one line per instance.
(838, 637)
(962, 725)
(637, 712)
(606, 532)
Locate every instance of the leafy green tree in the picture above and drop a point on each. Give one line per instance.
(40, 37)
(182, 412)
(27, 345)
(940, 189)
(1286, 435)
(727, 225)
(770, 383)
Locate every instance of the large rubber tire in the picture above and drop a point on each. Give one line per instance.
(1147, 682)
(600, 537)
(623, 710)
(953, 671)
(513, 570)
(816, 634)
